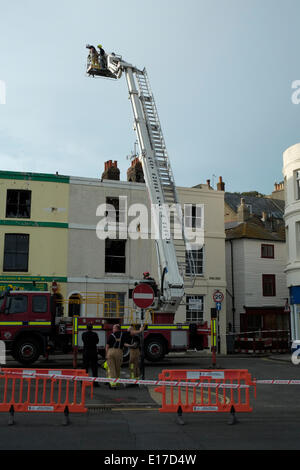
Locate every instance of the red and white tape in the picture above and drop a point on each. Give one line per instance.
(77, 378)
(277, 382)
(30, 374)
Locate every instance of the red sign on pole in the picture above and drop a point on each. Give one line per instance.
(143, 295)
(218, 296)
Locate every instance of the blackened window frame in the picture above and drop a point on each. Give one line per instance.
(118, 215)
(114, 258)
(15, 252)
(18, 204)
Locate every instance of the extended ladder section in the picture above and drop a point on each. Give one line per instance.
(184, 256)
(174, 258)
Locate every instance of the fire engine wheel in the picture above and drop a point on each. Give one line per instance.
(155, 349)
(27, 351)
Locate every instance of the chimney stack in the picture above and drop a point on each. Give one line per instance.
(264, 216)
(220, 184)
(135, 172)
(111, 171)
(279, 186)
(243, 213)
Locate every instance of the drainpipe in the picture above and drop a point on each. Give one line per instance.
(232, 284)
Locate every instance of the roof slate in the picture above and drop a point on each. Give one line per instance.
(273, 207)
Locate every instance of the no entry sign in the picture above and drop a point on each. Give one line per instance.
(218, 296)
(143, 295)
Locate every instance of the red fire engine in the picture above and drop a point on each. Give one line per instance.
(30, 327)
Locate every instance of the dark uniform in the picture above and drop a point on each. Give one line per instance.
(102, 56)
(90, 340)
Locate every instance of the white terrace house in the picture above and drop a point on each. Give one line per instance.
(255, 264)
(112, 266)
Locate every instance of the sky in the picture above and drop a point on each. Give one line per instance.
(221, 72)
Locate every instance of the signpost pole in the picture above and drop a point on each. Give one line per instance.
(213, 313)
(142, 347)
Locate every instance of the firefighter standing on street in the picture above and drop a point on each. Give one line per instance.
(90, 355)
(133, 342)
(114, 354)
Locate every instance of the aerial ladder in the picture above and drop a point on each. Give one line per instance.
(175, 255)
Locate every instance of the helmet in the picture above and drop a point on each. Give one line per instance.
(100, 46)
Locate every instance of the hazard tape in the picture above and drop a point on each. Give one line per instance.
(257, 331)
(77, 378)
(31, 374)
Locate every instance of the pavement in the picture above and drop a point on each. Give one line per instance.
(128, 419)
(281, 357)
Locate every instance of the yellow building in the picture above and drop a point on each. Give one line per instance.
(33, 230)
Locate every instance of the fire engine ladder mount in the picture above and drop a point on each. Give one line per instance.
(175, 259)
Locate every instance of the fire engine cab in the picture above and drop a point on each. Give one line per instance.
(26, 324)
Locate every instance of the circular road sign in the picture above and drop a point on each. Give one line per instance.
(218, 296)
(143, 295)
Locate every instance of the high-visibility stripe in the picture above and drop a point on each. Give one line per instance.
(11, 323)
(75, 334)
(42, 323)
(151, 327)
(95, 327)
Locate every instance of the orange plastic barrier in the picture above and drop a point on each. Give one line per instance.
(28, 393)
(212, 396)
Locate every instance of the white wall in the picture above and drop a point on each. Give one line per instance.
(291, 163)
(248, 267)
(86, 256)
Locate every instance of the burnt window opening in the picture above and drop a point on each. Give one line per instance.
(18, 204)
(16, 252)
(118, 214)
(115, 259)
